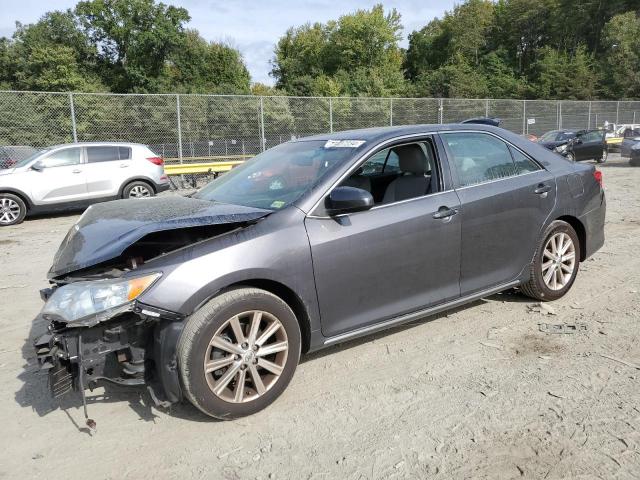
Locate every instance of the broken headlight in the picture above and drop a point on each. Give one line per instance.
(76, 301)
(561, 148)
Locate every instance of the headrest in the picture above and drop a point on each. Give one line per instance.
(411, 159)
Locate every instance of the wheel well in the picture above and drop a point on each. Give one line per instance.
(22, 197)
(142, 179)
(580, 231)
(291, 299)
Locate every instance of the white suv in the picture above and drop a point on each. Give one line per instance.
(75, 175)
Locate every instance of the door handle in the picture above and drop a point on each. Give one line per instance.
(542, 188)
(76, 171)
(444, 212)
(124, 165)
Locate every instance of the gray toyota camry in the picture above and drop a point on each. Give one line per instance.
(214, 296)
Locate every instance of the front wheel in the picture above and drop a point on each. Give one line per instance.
(603, 158)
(238, 353)
(555, 263)
(12, 209)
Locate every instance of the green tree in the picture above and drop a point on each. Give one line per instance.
(621, 56)
(356, 55)
(559, 75)
(134, 39)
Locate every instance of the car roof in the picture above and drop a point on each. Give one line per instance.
(95, 144)
(379, 134)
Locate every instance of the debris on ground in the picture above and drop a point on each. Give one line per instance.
(562, 328)
(542, 308)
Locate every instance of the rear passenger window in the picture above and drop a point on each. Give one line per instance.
(102, 154)
(125, 153)
(523, 163)
(479, 157)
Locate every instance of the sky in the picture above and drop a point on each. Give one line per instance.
(253, 27)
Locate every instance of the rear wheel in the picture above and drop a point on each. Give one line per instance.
(12, 209)
(555, 264)
(138, 189)
(238, 353)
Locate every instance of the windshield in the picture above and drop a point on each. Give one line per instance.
(25, 161)
(550, 136)
(277, 177)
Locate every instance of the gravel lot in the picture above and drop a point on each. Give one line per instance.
(478, 393)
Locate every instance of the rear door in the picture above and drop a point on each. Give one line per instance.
(107, 167)
(61, 178)
(505, 199)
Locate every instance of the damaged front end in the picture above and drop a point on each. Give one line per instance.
(98, 332)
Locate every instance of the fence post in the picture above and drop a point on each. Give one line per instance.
(617, 112)
(589, 121)
(179, 128)
(486, 107)
(73, 118)
(440, 111)
(262, 139)
(330, 115)
(391, 112)
(524, 116)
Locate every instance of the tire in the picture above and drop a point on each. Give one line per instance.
(213, 322)
(12, 209)
(605, 155)
(138, 189)
(571, 156)
(538, 287)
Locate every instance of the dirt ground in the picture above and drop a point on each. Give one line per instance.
(478, 393)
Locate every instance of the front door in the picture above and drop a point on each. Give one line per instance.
(590, 146)
(61, 178)
(393, 259)
(505, 200)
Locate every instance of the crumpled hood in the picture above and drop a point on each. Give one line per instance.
(554, 144)
(107, 229)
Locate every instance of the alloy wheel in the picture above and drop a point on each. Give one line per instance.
(246, 356)
(139, 191)
(9, 211)
(558, 261)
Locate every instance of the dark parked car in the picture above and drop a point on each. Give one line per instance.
(630, 146)
(213, 297)
(577, 145)
(12, 154)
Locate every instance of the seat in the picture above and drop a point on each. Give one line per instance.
(357, 180)
(415, 180)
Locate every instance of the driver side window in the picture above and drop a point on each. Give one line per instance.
(61, 158)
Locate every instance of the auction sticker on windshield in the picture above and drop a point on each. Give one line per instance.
(343, 143)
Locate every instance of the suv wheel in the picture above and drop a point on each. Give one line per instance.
(605, 155)
(12, 209)
(138, 190)
(238, 353)
(555, 264)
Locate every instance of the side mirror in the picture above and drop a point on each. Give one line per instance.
(38, 167)
(348, 200)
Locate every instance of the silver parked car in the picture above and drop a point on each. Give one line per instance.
(76, 175)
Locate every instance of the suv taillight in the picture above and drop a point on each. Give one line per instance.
(156, 160)
(597, 174)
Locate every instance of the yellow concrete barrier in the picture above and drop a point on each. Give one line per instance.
(192, 168)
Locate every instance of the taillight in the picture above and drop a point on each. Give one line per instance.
(156, 160)
(597, 174)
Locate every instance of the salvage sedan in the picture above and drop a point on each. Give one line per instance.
(213, 297)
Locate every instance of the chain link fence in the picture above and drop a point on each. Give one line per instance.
(208, 128)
